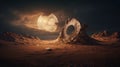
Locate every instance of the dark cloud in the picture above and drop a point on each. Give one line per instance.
(99, 15)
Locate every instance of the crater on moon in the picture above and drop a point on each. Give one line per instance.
(47, 23)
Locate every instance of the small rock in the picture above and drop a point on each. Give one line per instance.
(48, 49)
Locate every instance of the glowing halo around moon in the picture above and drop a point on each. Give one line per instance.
(47, 23)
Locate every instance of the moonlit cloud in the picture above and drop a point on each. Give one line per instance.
(26, 22)
(21, 16)
(29, 19)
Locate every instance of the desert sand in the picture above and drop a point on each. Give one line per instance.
(31, 52)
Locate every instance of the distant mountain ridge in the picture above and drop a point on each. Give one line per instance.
(106, 36)
(14, 37)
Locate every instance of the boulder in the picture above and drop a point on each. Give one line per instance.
(76, 34)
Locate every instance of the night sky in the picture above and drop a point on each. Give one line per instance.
(99, 15)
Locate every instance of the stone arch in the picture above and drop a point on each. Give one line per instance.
(66, 37)
(79, 34)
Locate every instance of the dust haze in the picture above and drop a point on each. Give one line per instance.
(69, 33)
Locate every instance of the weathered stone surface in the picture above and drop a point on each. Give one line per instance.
(66, 38)
(106, 36)
(79, 34)
(14, 37)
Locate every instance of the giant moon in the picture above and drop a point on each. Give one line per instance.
(47, 23)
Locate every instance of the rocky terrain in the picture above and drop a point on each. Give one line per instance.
(19, 50)
(106, 36)
(19, 38)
